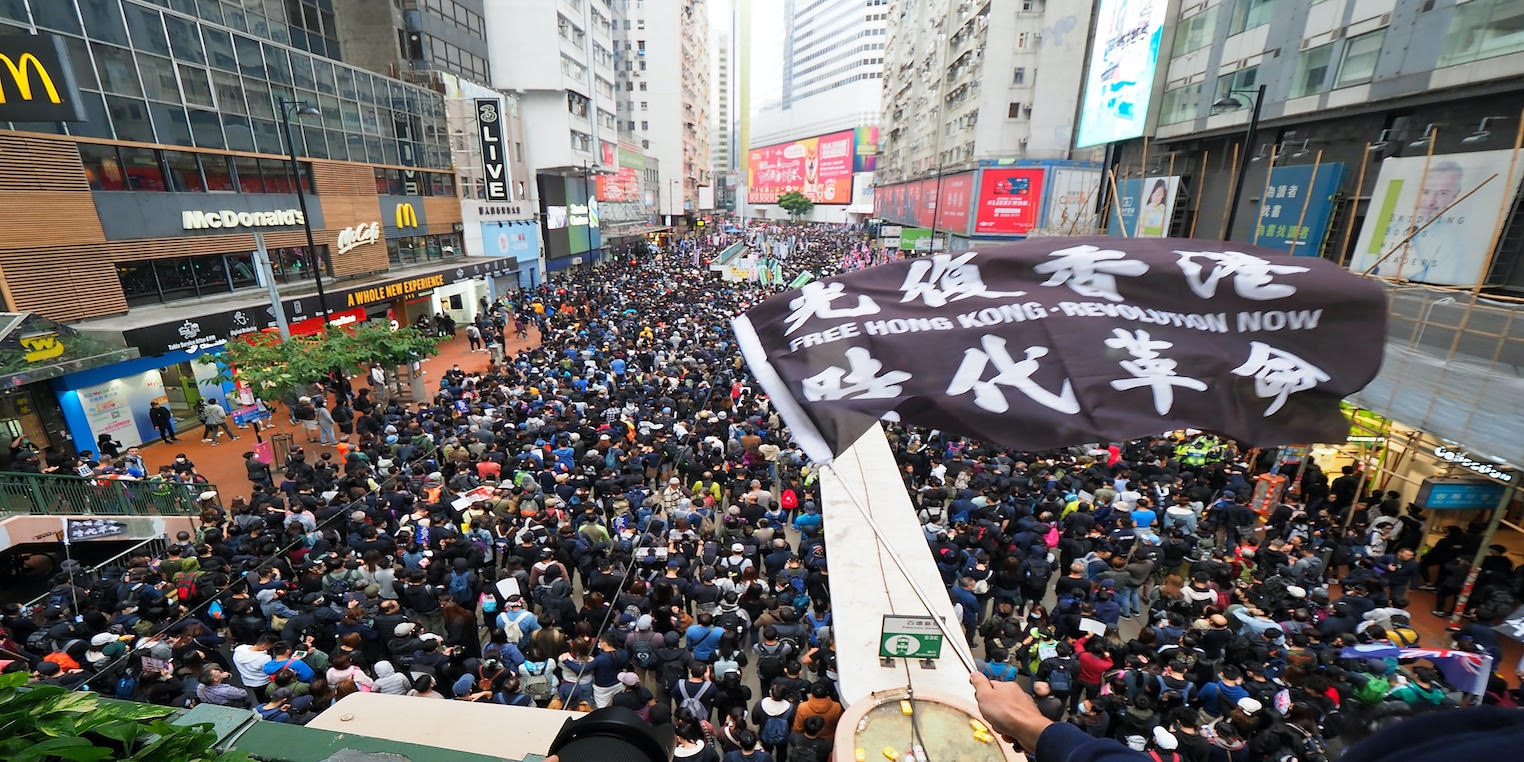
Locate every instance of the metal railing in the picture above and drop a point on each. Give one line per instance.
(154, 547)
(49, 494)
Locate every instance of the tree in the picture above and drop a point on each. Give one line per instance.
(47, 722)
(796, 204)
(273, 368)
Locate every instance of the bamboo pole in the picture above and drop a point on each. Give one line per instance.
(1296, 235)
(1349, 229)
(1428, 158)
(1169, 214)
(1264, 192)
(1232, 178)
(1200, 191)
(1089, 197)
(1118, 203)
(1426, 224)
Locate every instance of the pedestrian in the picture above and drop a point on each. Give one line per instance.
(216, 420)
(163, 422)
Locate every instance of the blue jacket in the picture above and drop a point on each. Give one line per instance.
(969, 602)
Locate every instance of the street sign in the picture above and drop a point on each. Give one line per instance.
(910, 637)
(1460, 494)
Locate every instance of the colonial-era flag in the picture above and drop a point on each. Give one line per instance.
(1465, 671)
(1059, 341)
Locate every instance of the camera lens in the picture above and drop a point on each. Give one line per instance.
(611, 733)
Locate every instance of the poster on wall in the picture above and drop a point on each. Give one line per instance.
(820, 168)
(1120, 78)
(955, 201)
(1455, 247)
(1297, 204)
(1072, 200)
(1146, 207)
(120, 407)
(1009, 201)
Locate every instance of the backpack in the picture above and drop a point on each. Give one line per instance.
(59, 597)
(723, 665)
(672, 670)
(1002, 673)
(801, 750)
(536, 684)
(460, 586)
(642, 653)
(1036, 572)
(1406, 637)
(770, 662)
(511, 627)
(185, 586)
(775, 730)
(691, 703)
(729, 620)
(1060, 679)
(126, 686)
(1373, 691)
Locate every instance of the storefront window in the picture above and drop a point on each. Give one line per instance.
(414, 250)
(184, 172)
(141, 166)
(177, 278)
(277, 176)
(219, 176)
(389, 182)
(102, 167)
(249, 178)
(241, 270)
(166, 280)
(138, 282)
(211, 274)
(292, 264)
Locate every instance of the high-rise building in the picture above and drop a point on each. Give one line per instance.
(411, 38)
(832, 65)
(557, 58)
(174, 204)
(967, 81)
(664, 78)
(724, 16)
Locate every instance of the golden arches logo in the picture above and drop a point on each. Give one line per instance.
(407, 216)
(19, 74)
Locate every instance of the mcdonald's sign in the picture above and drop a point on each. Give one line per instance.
(36, 82)
(407, 215)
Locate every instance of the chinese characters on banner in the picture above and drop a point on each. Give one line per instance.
(1294, 213)
(1060, 341)
(1009, 201)
(77, 530)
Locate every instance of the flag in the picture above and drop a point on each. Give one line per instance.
(1465, 671)
(1053, 342)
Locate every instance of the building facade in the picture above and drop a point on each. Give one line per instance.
(663, 67)
(157, 203)
(969, 82)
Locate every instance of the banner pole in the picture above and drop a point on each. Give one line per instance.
(1117, 203)
(1354, 202)
(1200, 191)
(1428, 157)
(1296, 236)
(1259, 225)
(1137, 223)
(1232, 178)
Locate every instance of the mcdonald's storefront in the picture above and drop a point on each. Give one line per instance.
(409, 240)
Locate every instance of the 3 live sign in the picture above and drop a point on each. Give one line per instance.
(36, 82)
(1460, 494)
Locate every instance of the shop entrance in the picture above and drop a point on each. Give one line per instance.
(20, 416)
(181, 389)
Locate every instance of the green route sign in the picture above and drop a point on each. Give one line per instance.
(910, 637)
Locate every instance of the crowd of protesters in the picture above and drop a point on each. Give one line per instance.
(616, 517)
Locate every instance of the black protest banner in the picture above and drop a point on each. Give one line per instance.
(93, 529)
(1058, 341)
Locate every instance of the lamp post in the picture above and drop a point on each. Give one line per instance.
(1230, 101)
(287, 110)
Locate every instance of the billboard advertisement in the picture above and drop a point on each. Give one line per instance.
(1454, 248)
(954, 203)
(1298, 202)
(865, 154)
(522, 242)
(820, 168)
(1120, 78)
(624, 184)
(923, 197)
(1072, 199)
(1157, 207)
(1009, 201)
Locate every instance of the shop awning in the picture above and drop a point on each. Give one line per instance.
(34, 348)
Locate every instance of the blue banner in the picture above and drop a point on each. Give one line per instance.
(517, 239)
(1460, 494)
(1124, 208)
(1282, 224)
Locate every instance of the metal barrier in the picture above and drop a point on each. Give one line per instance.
(50, 494)
(153, 547)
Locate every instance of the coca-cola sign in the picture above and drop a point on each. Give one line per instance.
(356, 236)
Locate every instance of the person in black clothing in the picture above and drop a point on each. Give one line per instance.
(163, 421)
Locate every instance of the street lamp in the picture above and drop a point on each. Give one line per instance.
(287, 110)
(1230, 101)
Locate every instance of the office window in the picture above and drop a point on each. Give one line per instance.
(1243, 79)
(1311, 70)
(1020, 76)
(185, 39)
(147, 28)
(1180, 104)
(103, 167)
(103, 20)
(1360, 56)
(118, 74)
(1248, 14)
(129, 117)
(1195, 32)
(1012, 111)
(1483, 29)
(184, 172)
(249, 177)
(218, 172)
